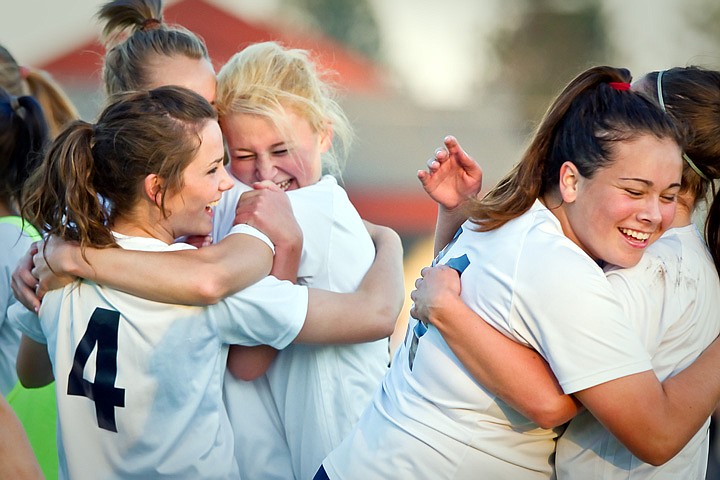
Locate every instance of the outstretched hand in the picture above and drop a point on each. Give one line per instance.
(452, 176)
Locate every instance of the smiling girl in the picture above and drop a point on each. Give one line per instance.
(139, 383)
(283, 127)
(597, 184)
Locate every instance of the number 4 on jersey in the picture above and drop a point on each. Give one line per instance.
(103, 331)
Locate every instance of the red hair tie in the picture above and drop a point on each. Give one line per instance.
(150, 24)
(622, 86)
(24, 71)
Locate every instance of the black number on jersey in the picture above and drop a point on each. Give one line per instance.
(103, 331)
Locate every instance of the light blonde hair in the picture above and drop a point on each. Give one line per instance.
(266, 78)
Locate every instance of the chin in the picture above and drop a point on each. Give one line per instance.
(626, 261)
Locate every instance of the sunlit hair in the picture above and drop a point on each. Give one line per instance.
(583, 125)
(266, 79)
(692, 96)
(23, 135)
(135, 36)
(20, 81)
(94, 174)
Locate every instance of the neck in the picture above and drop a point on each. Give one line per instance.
(141, 224)
(683, 212)
(6, 210)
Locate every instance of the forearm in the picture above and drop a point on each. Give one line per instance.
(249, 363)
(17, 460)
(370, 312)
(191, 277)
(448, 222)
(33, 365)
(653, 420)
(286, 262)
(515, 373)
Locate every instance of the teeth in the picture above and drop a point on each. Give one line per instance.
(284, 185)
(635, 234)
(213, 204)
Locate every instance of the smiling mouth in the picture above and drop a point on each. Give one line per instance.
(641, 236)
(285, 184)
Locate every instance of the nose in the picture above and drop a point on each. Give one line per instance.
(264, 167)
(651, 211)
(225, 183)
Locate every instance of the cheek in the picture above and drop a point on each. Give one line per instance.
(667, 211)
(243, 171)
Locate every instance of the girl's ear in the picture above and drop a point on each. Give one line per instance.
(569, 178)
(153, 188)
(326, 138)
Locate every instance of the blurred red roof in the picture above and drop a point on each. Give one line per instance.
(225, 33)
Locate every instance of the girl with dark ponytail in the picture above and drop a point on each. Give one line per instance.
(671, 298)
(149, 403)
(597, 185)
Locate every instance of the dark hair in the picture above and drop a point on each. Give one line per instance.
(93, 174)
(582, 125)
(20, 81)
(127, 63)
(692, 96)
(23, 135)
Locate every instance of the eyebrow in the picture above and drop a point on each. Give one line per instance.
(274, 145)
(647, 182)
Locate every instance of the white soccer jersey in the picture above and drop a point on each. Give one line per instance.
(431, 419)
(139, 383)
(14, 242)
(317, 392)
(673, 298)
(224, 212)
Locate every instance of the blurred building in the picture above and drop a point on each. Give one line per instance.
(395, 135)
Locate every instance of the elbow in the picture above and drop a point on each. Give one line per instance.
(656, 452)
(549, 413)
(548, 420)
(209, 291)
(33, 380)
(386, 320)
(245, 374)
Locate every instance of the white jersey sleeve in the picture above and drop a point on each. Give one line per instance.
(671, 298)
(269, 312)
(245, 229)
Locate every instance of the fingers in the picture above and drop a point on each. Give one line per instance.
(455, 150)
(23, 284)
(266, 185)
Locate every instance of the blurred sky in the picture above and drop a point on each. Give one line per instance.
(428, 42)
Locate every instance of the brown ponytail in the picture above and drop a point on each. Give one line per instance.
(581, 125)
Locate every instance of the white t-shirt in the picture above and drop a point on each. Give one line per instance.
(318, 391)
(139, 383)
(673, 298)
(14, 242)
(432, 420)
